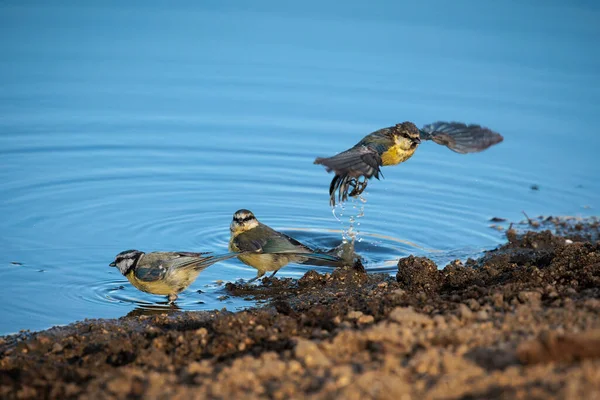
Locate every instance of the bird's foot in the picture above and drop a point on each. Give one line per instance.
(254, 279)
(172, 298)
(357, 187)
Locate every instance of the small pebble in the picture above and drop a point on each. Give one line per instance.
(354, 315)
(530, 297)
(482, 315)
(366, 319)
(464, 312)
(57, 347)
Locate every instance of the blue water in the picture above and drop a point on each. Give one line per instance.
(147, 125)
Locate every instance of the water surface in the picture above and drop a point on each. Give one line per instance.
(147, 125)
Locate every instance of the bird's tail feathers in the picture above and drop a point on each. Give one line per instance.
(344, 186)
(339, 188)
(318, 259)
(324, 162)
(209, 260)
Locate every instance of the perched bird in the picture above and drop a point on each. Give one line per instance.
(164, 273)
(269, 250)
(394, 145)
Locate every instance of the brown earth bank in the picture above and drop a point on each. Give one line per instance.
(521, 322)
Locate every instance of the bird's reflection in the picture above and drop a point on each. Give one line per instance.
(154, 309)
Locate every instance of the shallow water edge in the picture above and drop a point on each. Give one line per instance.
(528, 309)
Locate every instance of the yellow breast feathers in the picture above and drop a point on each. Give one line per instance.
(177, 282)
(401, 151)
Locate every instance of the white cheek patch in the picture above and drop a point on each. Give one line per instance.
(125, 265)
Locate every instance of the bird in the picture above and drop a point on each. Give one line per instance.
(162, 272)
(266, 249)
(394, 145)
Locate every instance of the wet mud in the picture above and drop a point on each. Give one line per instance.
(521, 322)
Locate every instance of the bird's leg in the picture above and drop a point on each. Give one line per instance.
(172, 297)
(273, 274)
(355, 184)
(258, 275)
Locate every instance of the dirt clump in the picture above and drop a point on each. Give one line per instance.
(551, 346)
(521, 322)
(418, 273)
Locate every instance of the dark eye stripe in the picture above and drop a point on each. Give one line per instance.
(245, 219)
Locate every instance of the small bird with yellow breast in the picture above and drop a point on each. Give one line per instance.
(394, 145)
(162, 272)
(266, 249)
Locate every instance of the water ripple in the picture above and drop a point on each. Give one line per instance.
(154, 142)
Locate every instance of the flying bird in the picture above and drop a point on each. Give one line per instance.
(394, 145)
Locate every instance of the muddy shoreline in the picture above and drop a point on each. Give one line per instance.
(521, 322)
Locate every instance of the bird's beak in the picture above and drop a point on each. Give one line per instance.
(112, 264)
(417, 140)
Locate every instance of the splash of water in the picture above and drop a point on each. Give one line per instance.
(351, 233)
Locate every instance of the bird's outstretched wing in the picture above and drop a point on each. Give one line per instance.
(459, 137)
(355, 162)
(348, 166)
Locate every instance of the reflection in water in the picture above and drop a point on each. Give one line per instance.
(347, 252)
(315, 232)
(154, 309)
